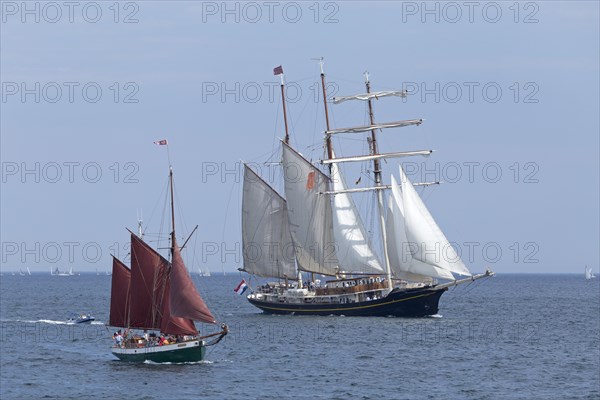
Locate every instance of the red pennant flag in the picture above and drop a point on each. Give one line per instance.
(161, 142)
(278, 70)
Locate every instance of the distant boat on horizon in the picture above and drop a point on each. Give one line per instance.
(589, 273)
(57, 272)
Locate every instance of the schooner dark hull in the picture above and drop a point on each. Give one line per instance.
(398, 303)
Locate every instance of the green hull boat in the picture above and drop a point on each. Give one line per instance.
(191, 351)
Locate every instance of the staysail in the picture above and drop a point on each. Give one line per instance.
(119, 294)
(428, 242)
(266, 240)
(354, 251)
(309, 214)
(184, 298)
(404, 265)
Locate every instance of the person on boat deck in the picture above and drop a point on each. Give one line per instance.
(119, 339)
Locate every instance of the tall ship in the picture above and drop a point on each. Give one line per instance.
(316, 230)
(157, 304)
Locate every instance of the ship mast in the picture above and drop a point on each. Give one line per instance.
(328, 135)
(287, 133)
(279, 70)
(377, 173)
(173, 244)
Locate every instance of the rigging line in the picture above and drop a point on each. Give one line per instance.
(165, 186)
(182, 221)
(225, 220)
(258, 159)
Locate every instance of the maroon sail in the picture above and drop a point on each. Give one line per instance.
(145, 293)
(185, 299)
(171, 324)
(119, 294)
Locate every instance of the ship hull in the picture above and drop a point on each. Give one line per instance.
(175, 353)
(398, 303)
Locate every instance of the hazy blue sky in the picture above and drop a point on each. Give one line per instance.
(506, 88)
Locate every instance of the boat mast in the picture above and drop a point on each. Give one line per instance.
(172, 213)
(327, 135)
(287, 133)
(377, 173)
(287, 141)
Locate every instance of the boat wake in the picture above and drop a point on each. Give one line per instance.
(179, 363)
(435, 316)
(50, 322)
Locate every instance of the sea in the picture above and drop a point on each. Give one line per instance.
(508, 337)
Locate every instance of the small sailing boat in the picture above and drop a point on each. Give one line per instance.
(158, 295)
(589, 273)
(317, 229)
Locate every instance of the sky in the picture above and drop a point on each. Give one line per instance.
(509, 92)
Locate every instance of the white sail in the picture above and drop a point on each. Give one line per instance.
(589, 273)
(354, 252)
(370, 95)
(427, 241)
(309, 214)
(378, 156)
(403, 264)
(267, 244)
(357, 129)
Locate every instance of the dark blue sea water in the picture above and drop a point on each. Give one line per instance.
(510, 337)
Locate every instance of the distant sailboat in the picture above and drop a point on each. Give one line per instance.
(24, 273)
(589, 273)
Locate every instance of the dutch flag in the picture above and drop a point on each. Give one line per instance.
(241, 288)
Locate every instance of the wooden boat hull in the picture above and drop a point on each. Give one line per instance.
(191, 351)
(398, 303)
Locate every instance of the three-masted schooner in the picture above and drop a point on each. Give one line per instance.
(317, 229)
(159, 296)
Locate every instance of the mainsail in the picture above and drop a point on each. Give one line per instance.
(161, 295)
(309, 214)
(266, 240)
(145, 292)
(119, 294)
(428, 242)
(354, 251)
(404, 265)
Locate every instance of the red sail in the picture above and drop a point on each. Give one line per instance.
(171, 324)
(145, 294)
(185, 299)
(119, 294)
